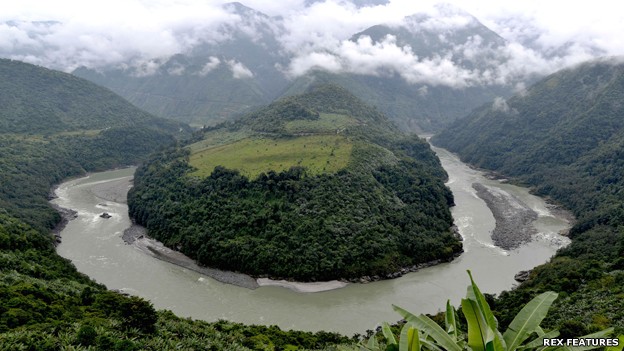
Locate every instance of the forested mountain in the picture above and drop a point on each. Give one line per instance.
(216, 81)
(36, 100)
(211, 83)
(54, 126)
(563, 136)
(313, 187)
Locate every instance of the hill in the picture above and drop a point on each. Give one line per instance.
(313, 187)
(36, 100)
(563, 136)
(54, 125)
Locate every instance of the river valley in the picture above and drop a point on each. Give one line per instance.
(95, 246)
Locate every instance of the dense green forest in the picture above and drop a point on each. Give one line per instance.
(564, 138)
(387, 208)
(45, 304)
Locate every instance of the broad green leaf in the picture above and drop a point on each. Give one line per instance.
(498, 343)
(413, 339)
(479, 333)
(483, 305)
(428, 326)
(409, 339)
(403, 338)
(385, 328)
(449, 320)
(372, 343)
(620, 347)
(528, 319)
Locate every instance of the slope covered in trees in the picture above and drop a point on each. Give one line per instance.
(382, 207)
(36, 100)
(563, 137)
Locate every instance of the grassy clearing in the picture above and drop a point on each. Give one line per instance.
(327, 123)
(252, 156)
(217, 138)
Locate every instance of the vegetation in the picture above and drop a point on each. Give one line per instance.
(419, 332)
(564, 138)
(36, 100)
(367, 201)
(253, 156)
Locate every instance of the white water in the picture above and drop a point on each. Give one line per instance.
(95, 246)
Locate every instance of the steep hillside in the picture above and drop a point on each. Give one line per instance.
(36, 100)
(313, 187)
(563, 137)
(54, 125)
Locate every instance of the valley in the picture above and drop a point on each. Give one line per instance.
(259, 183)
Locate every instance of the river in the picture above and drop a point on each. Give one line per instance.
(95, 246)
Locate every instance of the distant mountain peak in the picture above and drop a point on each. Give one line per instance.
(238, 8)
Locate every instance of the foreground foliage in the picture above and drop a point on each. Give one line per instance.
(420, 332)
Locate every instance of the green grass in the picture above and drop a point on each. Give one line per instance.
(327, 123)
(252, 156)
(217, 138)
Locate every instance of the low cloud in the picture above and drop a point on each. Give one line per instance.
(239, 71)
(141, 35)
(213, 62)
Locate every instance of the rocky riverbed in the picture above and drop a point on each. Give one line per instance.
(514, 219)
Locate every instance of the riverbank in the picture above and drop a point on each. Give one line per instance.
(514, 219)
(116, 191)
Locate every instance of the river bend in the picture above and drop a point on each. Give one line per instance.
(95, 246)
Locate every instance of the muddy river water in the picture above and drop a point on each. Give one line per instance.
(95, 246)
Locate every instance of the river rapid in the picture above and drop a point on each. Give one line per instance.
(95, 246)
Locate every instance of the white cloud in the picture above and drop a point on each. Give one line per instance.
(239, 71)
(141, 34)
(500, 104)
(213, 62)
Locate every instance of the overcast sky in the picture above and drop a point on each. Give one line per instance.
(543, 35)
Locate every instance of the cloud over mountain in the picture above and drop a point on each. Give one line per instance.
(313, 35)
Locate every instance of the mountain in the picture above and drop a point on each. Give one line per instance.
(36, 100)
(212, 82)
(248, 67)
(423, 106)
(54, 125)
(312, 187)
(563, 137)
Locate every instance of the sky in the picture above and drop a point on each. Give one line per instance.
(542, 36)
